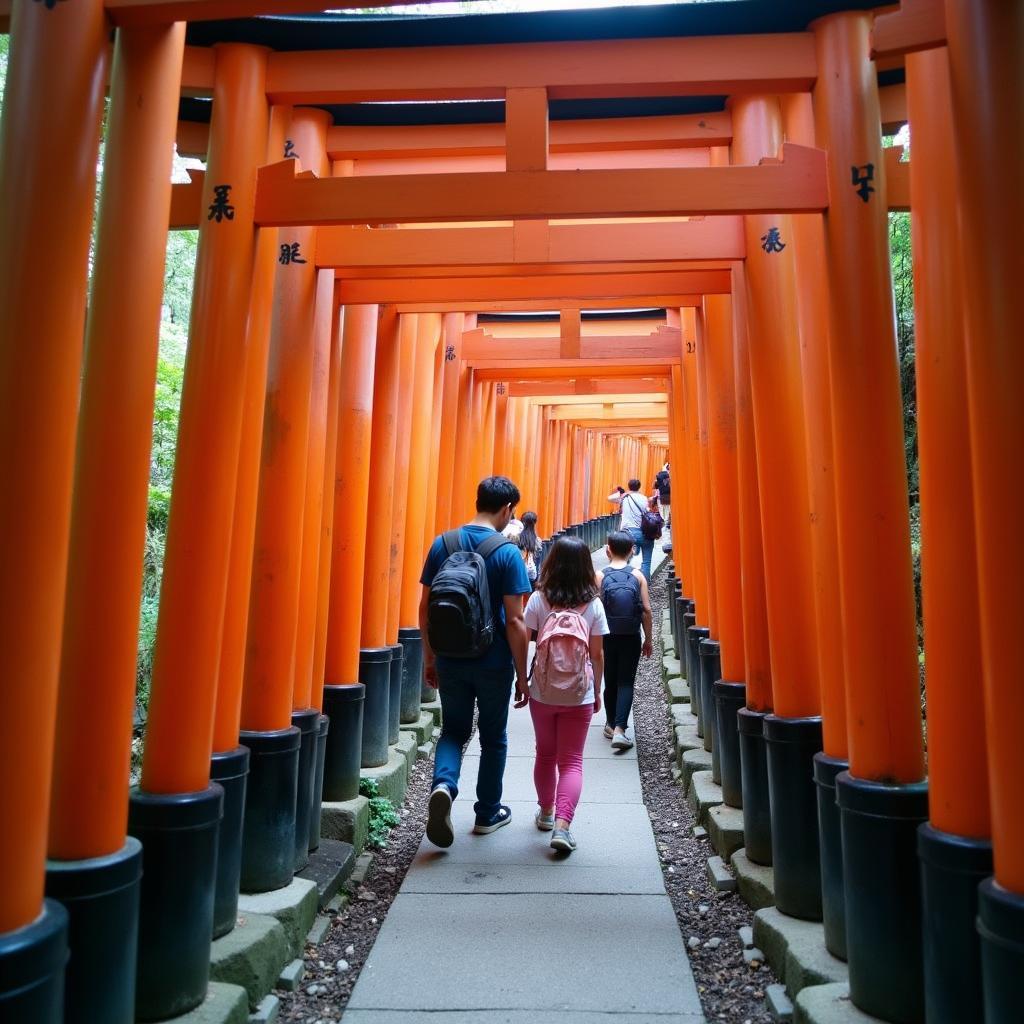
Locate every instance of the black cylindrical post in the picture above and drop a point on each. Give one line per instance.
(710, 663)
(1001, 927)
(343, 705)
(32, 961)
(230, 769)
(757, 811)
(412, 674)
(694, 635)
(268, 831)
(952, 868)
(178, 832)
(101, 897)
(791, 744)
(307, 721)
(833, 897)
(882, 880)
(395, 692)
(729, 698)
(375, 675)
(323, 728)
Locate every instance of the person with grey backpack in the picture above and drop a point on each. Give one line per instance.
(627, 606)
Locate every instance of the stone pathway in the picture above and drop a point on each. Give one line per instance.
(498, 929)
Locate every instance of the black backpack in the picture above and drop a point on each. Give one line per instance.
(459, 619)
(620, 595)
(651, 524)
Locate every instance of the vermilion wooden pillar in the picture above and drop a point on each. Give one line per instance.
(343, 693)
(177, 889)
(690, 439)
(89, 812)
(436, 422)
(447, 470)
(48, 150)
(756, 652)
(882, 798)
(463, 487)
(955, 846)
(231, 672)
(704, 469)
(812, 320)
(984, 57)
(375, 653)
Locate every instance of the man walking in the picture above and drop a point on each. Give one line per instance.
(633, 505)
(474, 645)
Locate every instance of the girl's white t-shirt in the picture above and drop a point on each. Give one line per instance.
(537, 610)
(633, 505)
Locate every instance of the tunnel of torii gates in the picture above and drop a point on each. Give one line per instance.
(354, 368)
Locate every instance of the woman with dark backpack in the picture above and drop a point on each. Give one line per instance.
(627, 606)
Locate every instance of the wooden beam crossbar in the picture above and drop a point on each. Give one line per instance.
(664, 343)
(795, 184)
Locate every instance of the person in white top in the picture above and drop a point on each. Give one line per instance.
(562, 717)
(633, 505)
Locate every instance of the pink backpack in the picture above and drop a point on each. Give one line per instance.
(561, 668)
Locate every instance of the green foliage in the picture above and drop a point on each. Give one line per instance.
(170, 375)
(382, 814)
(179, 272)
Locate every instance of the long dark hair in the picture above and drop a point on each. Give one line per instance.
(567, 577)
(527, 539)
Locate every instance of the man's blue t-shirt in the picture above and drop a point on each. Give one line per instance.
(506, 575)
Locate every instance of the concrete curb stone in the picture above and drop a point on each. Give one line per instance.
(756, 881)
(251, 955)
(224, 1004)
(796, 950)
(725, 827)
(695, 760)
(702, 795)
(392, 778)
(829, 1004)
(678, 692)
(347, 820)
(294, 906)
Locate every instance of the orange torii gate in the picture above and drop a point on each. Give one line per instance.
(814, 398)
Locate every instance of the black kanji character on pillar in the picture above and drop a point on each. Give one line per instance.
(289, 148)
(860, 177)
(49, 4)
(221, 208)
(449, 354)
(500, 389)
(771, 242)
(290, 254)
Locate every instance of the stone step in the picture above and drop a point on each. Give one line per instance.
(434, 709)
(756, 881)
(251, 955)
(702, 795)
(670, 668)
(392, 778)
(695, 760)
(678, 692)
(347, 820)
(719, 875)
(224, 1004)
(779, 1004)
(294, 906)
(829, 1004)
(329, 866)
(796, 950)
(725, 826)
(422, 728)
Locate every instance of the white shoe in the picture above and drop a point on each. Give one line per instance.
(545, 822)
(621, 742)
(439, 817)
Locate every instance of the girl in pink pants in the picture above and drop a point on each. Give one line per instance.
(567, 582)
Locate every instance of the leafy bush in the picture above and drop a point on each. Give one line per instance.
(382, 814)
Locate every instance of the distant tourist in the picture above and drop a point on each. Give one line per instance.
(530, 546)
(474, 644)
(569, 622)
(663, 485)
(627, 607)
(634, 506)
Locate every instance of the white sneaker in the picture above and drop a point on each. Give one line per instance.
(545, 822)
(563, 841)
(621, 742)
(439, 817)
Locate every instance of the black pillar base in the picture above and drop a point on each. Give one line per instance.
(1001, 927)
(375, 675)
(412, 674)
(101, 897)
(881, 879)
(791, 744)
(323, 728)
(178, 832)
(710, 671)
(268, 832)
(230, 769)
(307, 721)
(757, 813)
(32, 963)
(395, 692)
(675, 600)
(833, 897)
(952, 868)
(687, 619)
(694, 635)
(729, 698)
(343, 705)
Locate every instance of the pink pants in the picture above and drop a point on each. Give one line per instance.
(558, 771)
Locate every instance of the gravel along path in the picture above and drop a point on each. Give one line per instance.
(731, 989)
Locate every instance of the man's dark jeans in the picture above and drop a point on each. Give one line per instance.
(461, 687)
